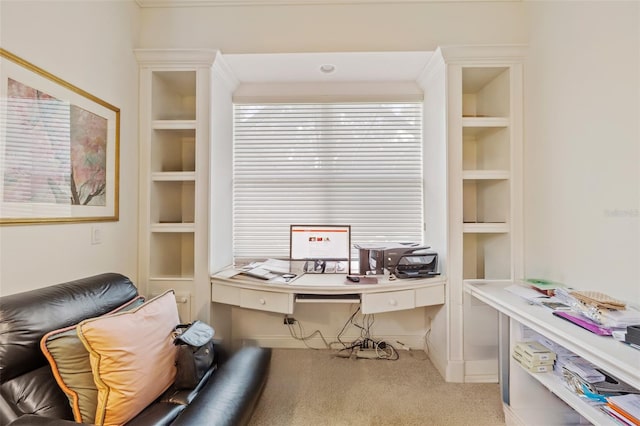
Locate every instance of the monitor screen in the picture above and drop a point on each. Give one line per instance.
(320, 242)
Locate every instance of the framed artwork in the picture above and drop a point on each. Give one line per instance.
(59, 149)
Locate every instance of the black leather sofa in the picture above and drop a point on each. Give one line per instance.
(29, 394)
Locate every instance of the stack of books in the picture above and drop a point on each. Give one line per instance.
(534, 356)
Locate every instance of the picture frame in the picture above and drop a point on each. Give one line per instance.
(59, 149)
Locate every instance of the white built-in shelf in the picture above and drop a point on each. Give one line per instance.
(485, 174)
(172, 227)
(554, 384)
(485, 122)
(171, 278)
(485, 228)
(173, 124)
(173, 176)
(616, 358)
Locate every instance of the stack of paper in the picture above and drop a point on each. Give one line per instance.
(627, 407)
(534, 357)
(585, 370)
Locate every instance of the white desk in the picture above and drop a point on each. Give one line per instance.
(526, 402)
(386, 296)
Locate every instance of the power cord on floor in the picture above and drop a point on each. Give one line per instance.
(365, 346)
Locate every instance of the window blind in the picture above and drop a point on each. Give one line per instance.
(334, 164)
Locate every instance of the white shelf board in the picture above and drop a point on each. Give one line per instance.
(485, 228)
(485, 174)
(615, 357)
(485, 121)
(173, 124)
(171, 278)
(555, 385)
(173, 227)
(173, 176)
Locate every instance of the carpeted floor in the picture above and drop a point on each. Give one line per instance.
(309, 387)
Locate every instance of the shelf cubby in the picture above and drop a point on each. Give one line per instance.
(485, 200)
(486, 256)
(485, 148)
(172, 201)
(173, 95)
(173, 150)
(485, 92)
(172, 255)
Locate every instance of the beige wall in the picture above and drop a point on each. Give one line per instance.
(582, 145)
(339, 28)
(88, 44)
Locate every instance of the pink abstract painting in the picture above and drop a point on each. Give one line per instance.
(55, 152)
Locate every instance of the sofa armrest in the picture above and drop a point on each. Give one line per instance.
(230, 395)
(34, 420)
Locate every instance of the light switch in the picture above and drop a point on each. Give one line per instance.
(96, 235)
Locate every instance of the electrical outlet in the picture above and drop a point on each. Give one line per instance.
(289, 321)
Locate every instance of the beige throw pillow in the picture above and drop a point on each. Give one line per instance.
(132, 357)
(71, 367)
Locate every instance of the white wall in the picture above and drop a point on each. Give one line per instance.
(334, 28)
(582, 145)
(88, 44)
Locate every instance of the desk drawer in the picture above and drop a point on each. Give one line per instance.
(225, 294)
(388, 301)
(267, 301)
(428, 296)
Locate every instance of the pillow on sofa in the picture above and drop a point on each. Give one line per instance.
(71, 367)
(132, 357)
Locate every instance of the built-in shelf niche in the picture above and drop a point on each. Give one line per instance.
(485, 92)
(486, 256)
(172, 255)
(485, 148)
(485, 201)
(173, 95)
(172, 202)
(173, 150)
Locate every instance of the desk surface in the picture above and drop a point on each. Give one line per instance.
(615, 357)
(325, 283)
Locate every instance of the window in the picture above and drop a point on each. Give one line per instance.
(357, 164)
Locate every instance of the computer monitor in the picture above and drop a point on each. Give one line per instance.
(327, 244)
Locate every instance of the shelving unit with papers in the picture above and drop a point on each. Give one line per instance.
(542, 398)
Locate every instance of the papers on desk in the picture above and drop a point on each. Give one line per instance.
(530, 295)
(271, 271)
(534, 297)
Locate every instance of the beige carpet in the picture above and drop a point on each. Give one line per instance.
(308, 387)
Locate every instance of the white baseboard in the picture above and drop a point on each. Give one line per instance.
(481, 371)
(510, 418)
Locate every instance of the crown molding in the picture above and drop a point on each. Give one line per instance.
(214, 3)
(179, 57)
(222, 69)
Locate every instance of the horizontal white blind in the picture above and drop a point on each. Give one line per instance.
(341, 164)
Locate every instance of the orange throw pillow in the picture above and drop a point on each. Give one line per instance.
(132, 357)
